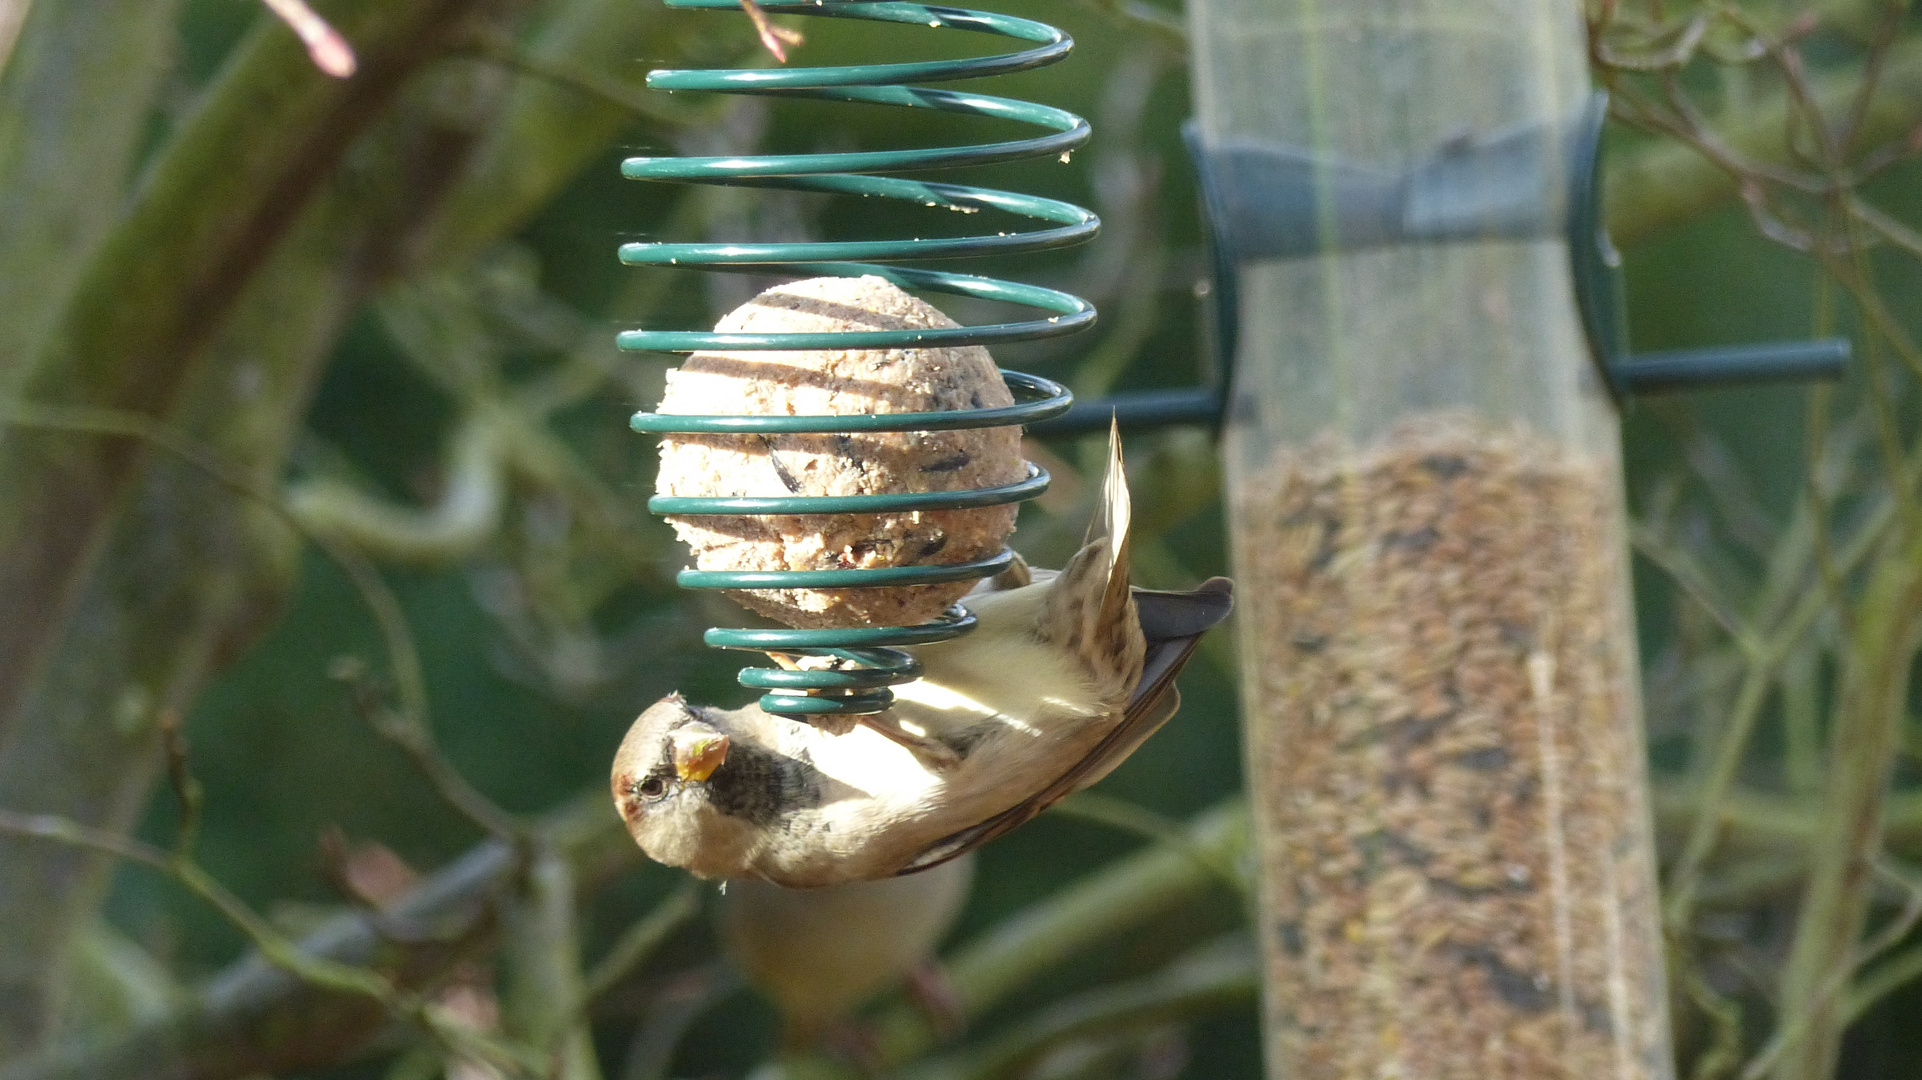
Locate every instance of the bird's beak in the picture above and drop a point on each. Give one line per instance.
(698, 751)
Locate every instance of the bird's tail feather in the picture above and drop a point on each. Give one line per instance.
(1112, 518)
(1089, 607)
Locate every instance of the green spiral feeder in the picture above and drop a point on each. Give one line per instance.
(872, 660)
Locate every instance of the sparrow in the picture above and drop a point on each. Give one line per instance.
(1065, 675)
(818, 954)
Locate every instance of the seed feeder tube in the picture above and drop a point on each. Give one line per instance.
(1442, 720)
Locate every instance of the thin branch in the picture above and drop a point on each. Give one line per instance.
(1797, 1023)
(540, 961)
(1754, 822)
(1865, 734)
(502, 49)
(465, 517)
(254, 1018)
(400, 728)
(1116, 813)
(1897, 973)
(1664, 183)
(1674, 55)
(1724, 1054)
(311, 968)
(639, 941)
(186, 788)
(229, 183)
(1805, 607)
(329, 50)
(1687, 574)
(315, 971)
(774, 39)
(1219, 976)
(409, 726)
(1889, 28)
(1887, 227)
(986, 971)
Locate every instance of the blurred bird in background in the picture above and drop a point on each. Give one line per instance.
(820, 954)
(1065, 675)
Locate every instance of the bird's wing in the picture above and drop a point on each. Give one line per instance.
(1173, 623)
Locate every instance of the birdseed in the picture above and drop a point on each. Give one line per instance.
(1445, 743)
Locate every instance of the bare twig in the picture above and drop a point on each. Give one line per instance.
(1805, 607)
(1131, 817)
(985, 971)
(316, 971)
(255, 1018)
(1682, 568)
(640, 941)
(312, 968)
(1799, 164)
(541, 965)
(330, 51)
(466, 515)
(1796, 1024)
(410, 735)
(1897, 973)
(1724, 1054)
(502, 49)
(186, 788)
(1666, 182)
(1215, 977)
(407, 726)
(1865, 733)
(775, 39)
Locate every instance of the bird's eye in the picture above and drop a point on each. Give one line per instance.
(652, 788)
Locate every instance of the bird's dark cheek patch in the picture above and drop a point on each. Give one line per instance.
(762, 787)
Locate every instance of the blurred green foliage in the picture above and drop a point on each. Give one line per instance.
(545, 618)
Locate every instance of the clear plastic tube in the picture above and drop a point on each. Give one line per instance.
(1440, 686)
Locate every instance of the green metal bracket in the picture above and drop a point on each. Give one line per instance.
(1596, 268)
(1264, 200)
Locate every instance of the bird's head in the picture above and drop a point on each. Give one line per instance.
(662, 777)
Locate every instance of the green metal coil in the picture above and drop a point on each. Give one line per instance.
(868, 659)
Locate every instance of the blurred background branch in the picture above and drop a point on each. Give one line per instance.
(379, 311)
